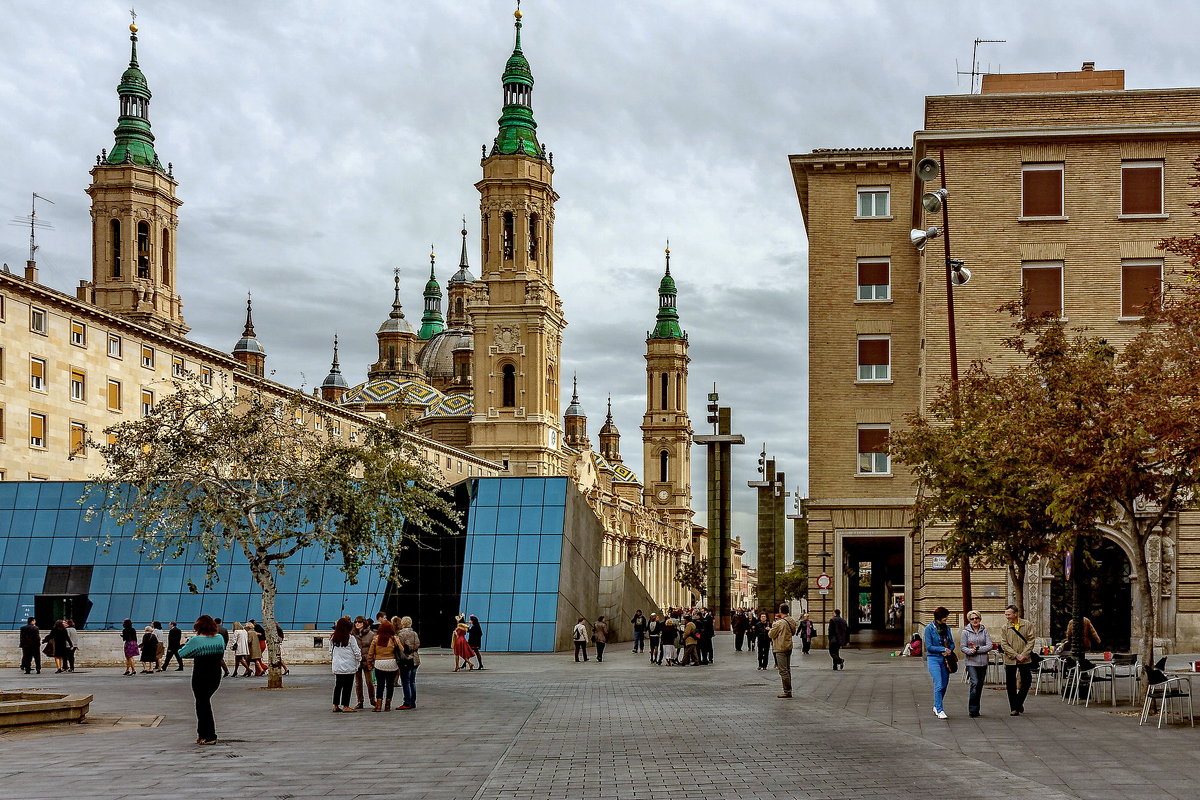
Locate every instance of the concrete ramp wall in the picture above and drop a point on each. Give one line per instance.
(621, 594)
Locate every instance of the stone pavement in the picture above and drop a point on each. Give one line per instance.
(534, 726)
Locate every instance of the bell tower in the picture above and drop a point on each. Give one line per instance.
(666, 428)
(134, 217)
(516, 314)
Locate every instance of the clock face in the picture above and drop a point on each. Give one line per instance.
(663, 494)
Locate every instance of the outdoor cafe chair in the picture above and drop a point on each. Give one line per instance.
(1167, 690)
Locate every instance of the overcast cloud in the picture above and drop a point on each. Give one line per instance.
(319, 145)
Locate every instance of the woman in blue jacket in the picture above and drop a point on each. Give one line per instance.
(939, 642)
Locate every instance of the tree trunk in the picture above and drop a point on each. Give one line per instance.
(266, 582)
(1016, 573)
(1145, 593)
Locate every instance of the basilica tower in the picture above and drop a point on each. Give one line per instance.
(666, 428)
(516, 315)
(134, 217)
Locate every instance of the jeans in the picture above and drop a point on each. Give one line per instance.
(738, 639)
(835, 649)
(343, 684)
(764, 654)
(639, 641)
(1016, 695)
(783, 663)
(600, 650)
(387, 684)
(31, 655)
(941, 679)
(364, 676)
(206, 677)
(581, 647)
(408, 682)
(976, 676)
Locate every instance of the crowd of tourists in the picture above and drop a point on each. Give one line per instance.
(60, 643)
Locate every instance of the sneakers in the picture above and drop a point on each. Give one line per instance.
(940, 714)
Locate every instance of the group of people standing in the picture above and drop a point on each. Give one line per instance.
(682, 637)
(374, 659)
(976, 642)
(60, 643)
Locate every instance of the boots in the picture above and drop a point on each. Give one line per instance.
(378, 705)
(387, 705)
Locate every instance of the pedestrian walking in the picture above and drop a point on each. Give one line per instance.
(707, 628)
(364, 634)
(461, 648)
(72, 645)
(739, 625)
(161, 636)
(580, 638)
(149, 647)
(808, 632)
(31, 643)
(239, 643)
(223, 632)
(654, 631)
(280, 664)
(383, 655)
(670, 632)
(1016, 642)
(174, 642)
(207, 651)
(639, 622)
(346, 659)
(691, 638)
(410, 659)
(976, 644)
(600, 636)
(838, 631)
(256, 637)
(57, 642)
(129, 643)
(760, 638)
(781, 633)
(939, 650)
(474, 638)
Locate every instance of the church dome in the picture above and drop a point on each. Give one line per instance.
(396, 325)
(437, 356)
(391, 390)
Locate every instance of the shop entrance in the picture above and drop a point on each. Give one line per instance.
(1107, 595)
(874, 574)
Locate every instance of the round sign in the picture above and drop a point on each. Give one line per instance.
(824, 581)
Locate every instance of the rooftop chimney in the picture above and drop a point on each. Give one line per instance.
(1089, 66)
(31, 271)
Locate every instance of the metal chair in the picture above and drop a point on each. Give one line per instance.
(1050, 668)
(1127, 668)
(1167, 690)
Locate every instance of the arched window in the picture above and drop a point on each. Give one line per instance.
(165, 257)
(391, 356)
(508, 236)
(487, 237)
(115, 233)
(679, 392)
(143, 250)
(663, 380)
(533, 236)
(509, 387)
(663, 457)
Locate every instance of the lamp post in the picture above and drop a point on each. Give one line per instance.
(824, 555)
(956, 275)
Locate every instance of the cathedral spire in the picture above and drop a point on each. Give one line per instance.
(134, 139)
(667, 325)
(431, 320)
(575, 420)
(397, 310)
(464, 268)
(518, 130)
(248, 350)
(334, 387)
(610, 438)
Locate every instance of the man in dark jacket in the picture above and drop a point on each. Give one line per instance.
(839, 637)
(31, 654)
(738, 624)
(654, 629)
(639, 631)
(707, 630)
(174, 642)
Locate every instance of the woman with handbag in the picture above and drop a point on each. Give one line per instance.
(57, 644)
(239, 643)
(383, 655)
(410, 659)
(976, 645)
(129, 643)
(346, 657)
(940, 657)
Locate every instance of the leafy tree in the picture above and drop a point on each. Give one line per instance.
(793, 584)
(205, 471)
(693, 576)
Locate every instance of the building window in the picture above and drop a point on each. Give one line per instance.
(114, 229)
(1, 365)
(336, 428)
(318, 423)
(206, 376)
(874, 279)
(353, 434)
(37, 430)
(1141, 286)
(507, 239)
(164, 257)
(78, 385)
(1141, 188)
(1041, 288)
(298, 417)
(533, 240)
(114, 395)
(37, 374)
(37, 320)
(874, 358)
(874, 201)
(111, 438)
(177, 366)
(114, 345)
(147, 402)
(147, 357)
(508, 394)
(1042, 190)
(2, 309)
(663, 383)
(663, 463)
(873, 456)
(1, 423)
(78, 334)
(78, 440)
(143, 250)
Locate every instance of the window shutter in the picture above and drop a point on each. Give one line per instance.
(1141, 285)
(873, 273)
(114, 395)
(1043, 291)
(1041, 192)
(1141, 189)
(872, 352)
(78, 434)
(872, 440)
(37, 426)
(37, 368)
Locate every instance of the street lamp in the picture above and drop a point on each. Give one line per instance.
(956, 275)
(823, 555)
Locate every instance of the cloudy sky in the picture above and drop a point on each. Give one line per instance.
(319, 145)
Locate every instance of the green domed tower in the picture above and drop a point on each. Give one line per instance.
(134, 139)
(431, 320)
(518, 130)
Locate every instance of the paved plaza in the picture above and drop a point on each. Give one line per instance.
(541, 726)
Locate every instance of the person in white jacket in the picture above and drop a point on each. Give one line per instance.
(346, 656)
(240, 646)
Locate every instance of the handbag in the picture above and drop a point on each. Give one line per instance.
(951, 656)
(1035, 658)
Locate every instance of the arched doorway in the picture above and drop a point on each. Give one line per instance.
(1107, 595)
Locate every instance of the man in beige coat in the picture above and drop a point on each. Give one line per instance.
(1016, 642)
(781, 633)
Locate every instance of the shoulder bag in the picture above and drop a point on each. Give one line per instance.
(1035, 658)
(951, 656)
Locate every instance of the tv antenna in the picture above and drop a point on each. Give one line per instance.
(34, 224)
(975, 71)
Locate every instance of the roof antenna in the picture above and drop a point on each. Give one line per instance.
(975, 71)
(34, 224)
